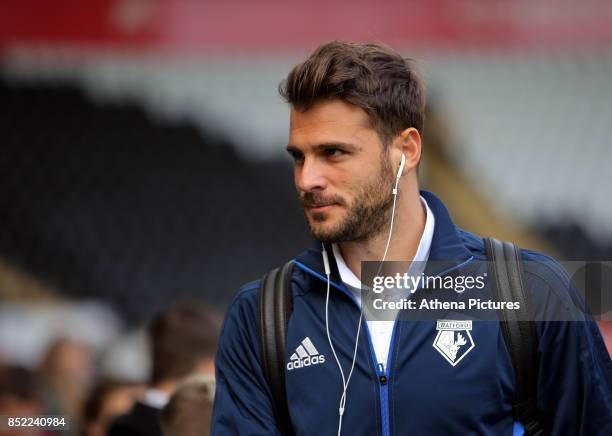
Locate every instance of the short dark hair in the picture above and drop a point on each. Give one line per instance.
(374, 77)
(180, 339)
(189, 411)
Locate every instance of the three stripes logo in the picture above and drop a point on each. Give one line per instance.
(305, 355)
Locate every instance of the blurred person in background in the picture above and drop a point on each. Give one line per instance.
(183, 343)
(108, 400)
(20, 396)
(188, 413)
(67, 371)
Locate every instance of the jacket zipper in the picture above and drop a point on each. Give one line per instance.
(384, 398)
(383, 373)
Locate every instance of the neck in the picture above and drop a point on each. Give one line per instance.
(408, 227)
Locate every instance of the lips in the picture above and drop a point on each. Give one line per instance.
(321, 207)
(314, 206)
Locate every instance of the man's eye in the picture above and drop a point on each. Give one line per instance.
(333, 152)
(296, 156)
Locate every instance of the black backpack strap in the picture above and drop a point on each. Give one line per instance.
(275, 307)
(519, 332)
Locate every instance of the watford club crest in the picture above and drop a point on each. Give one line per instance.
(453, 340)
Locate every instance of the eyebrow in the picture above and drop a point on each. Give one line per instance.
(324, 145)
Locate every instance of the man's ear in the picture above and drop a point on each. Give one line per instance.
(409, 143)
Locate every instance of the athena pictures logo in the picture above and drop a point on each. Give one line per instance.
(305, 354)
(453, 340)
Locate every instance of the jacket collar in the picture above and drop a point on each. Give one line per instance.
(446, 244)
(447, 249)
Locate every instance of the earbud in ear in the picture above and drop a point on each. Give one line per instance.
(401, 167)
(399, 174)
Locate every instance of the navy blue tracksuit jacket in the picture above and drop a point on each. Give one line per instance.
(420, 393)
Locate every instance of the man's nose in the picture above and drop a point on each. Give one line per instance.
(310, 176)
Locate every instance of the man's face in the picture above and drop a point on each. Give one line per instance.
(342, 172)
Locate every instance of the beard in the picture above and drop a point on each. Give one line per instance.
(367, 214)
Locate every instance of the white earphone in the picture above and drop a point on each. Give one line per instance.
(345, 381)
(399, 173)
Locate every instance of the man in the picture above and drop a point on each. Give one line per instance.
(356, 109)
(183, 343)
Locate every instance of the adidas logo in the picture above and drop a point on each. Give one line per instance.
(305, 355)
